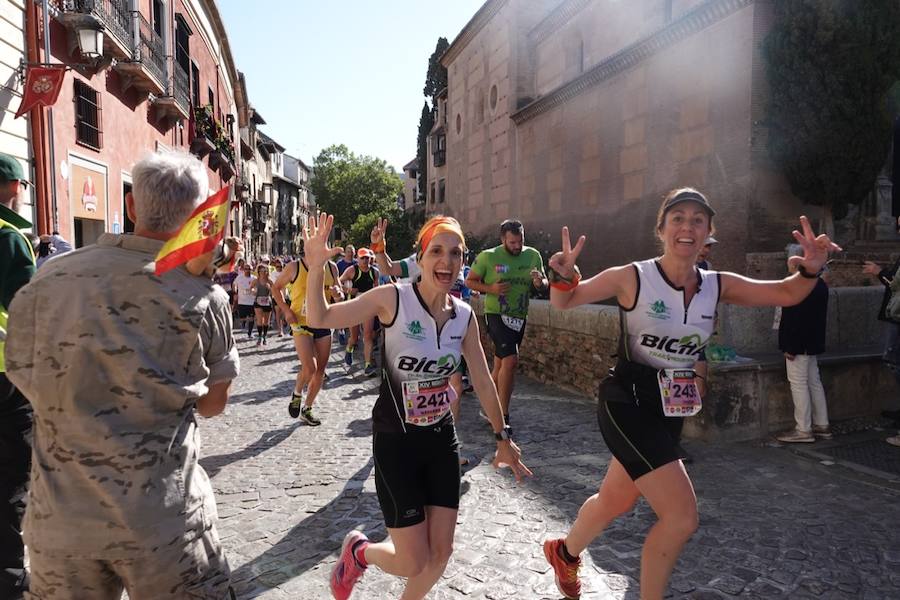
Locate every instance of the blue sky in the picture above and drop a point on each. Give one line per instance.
(341, 71)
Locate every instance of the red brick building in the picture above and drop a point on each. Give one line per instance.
(165, 79)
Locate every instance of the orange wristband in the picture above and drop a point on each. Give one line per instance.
(567, 286)
(377, 247)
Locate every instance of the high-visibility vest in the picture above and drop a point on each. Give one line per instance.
(4, 310)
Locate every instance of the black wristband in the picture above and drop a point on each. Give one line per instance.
(804, 273)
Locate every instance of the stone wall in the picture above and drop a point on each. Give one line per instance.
(570, 349)
(573, 350)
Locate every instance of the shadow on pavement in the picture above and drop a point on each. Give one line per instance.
(359, 428)
(315, 537)
(213, 464)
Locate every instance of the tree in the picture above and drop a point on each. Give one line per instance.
(436, 78)
(401, 232)
(830, 65)
(426, 122)
(347, 185)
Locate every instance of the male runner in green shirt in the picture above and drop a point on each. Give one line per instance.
(505, 275)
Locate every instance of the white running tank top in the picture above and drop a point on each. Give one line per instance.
(659, 331)
(416, 351)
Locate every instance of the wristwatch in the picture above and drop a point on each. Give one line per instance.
(503, 434)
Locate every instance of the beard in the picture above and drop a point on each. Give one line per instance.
(515, 252)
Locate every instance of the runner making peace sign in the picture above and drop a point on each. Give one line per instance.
(667, 308)
(417, 474)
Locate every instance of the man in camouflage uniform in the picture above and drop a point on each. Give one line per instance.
(116, 363)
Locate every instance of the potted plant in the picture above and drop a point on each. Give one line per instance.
(203, 144)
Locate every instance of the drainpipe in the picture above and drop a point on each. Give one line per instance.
(45, 4)
(37, 127)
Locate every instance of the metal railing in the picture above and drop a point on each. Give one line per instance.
(150, 50)
(180, 85)
(114, 14)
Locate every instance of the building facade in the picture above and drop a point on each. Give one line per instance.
(410, 194)
(164, 78)
(15, 134)
(586, 112)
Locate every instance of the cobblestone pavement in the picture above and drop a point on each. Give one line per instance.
(773, 525)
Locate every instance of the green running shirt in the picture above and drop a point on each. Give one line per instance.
(496, 264)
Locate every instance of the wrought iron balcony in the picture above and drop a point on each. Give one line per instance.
(147, 70)
(176, 103)
(114, 17)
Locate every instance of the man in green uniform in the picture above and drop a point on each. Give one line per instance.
(505, 275)
(16, 269)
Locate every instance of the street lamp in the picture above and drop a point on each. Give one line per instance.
(90, 42)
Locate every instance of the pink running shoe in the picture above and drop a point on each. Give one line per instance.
(347, 571)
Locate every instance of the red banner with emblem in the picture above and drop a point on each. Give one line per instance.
(42, 86)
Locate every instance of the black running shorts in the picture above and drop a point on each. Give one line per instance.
(634, 427)
(245, 311)
(314, 332)
(416, 469)
(506, 340)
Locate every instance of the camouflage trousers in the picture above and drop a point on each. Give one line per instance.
(198, 570)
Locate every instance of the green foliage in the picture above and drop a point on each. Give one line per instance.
(436, 78)
(347, 185)
(401, 234)
(830, 66)
(426, 122)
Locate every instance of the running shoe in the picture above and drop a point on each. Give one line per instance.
(342, 337)
(566, 573)
(259, 342)
(307, 417)
(894, 441)
(348, 356)
(294, 406)
(347, 571)
(370, 370)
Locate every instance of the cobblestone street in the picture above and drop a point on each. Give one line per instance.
(773, 525)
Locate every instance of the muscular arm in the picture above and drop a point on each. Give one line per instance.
(743, 291)
(387, 266)
(213, 403)
(618, 282)
(481, 375)
(379, 302)
(475, 283)
(287, 276)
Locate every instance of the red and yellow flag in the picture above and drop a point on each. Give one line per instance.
(199, 234)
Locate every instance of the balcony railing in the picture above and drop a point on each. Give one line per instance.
(150, 50)
(181, 87)
(114, 15)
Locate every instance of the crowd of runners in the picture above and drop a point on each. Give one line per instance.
(416, 310)
(412, 313)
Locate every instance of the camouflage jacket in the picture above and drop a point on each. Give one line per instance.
(113, 359)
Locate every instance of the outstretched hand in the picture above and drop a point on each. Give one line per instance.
(315, 241)
(563, 262)
(816, 248)
(509, 455)
(379, 231)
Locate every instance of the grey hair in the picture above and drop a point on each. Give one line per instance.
(168, 186)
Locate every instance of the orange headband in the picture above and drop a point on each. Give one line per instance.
(439, 225)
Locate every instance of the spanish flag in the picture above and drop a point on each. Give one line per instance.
(199, 234)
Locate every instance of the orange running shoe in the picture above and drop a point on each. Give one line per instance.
(566, 573)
